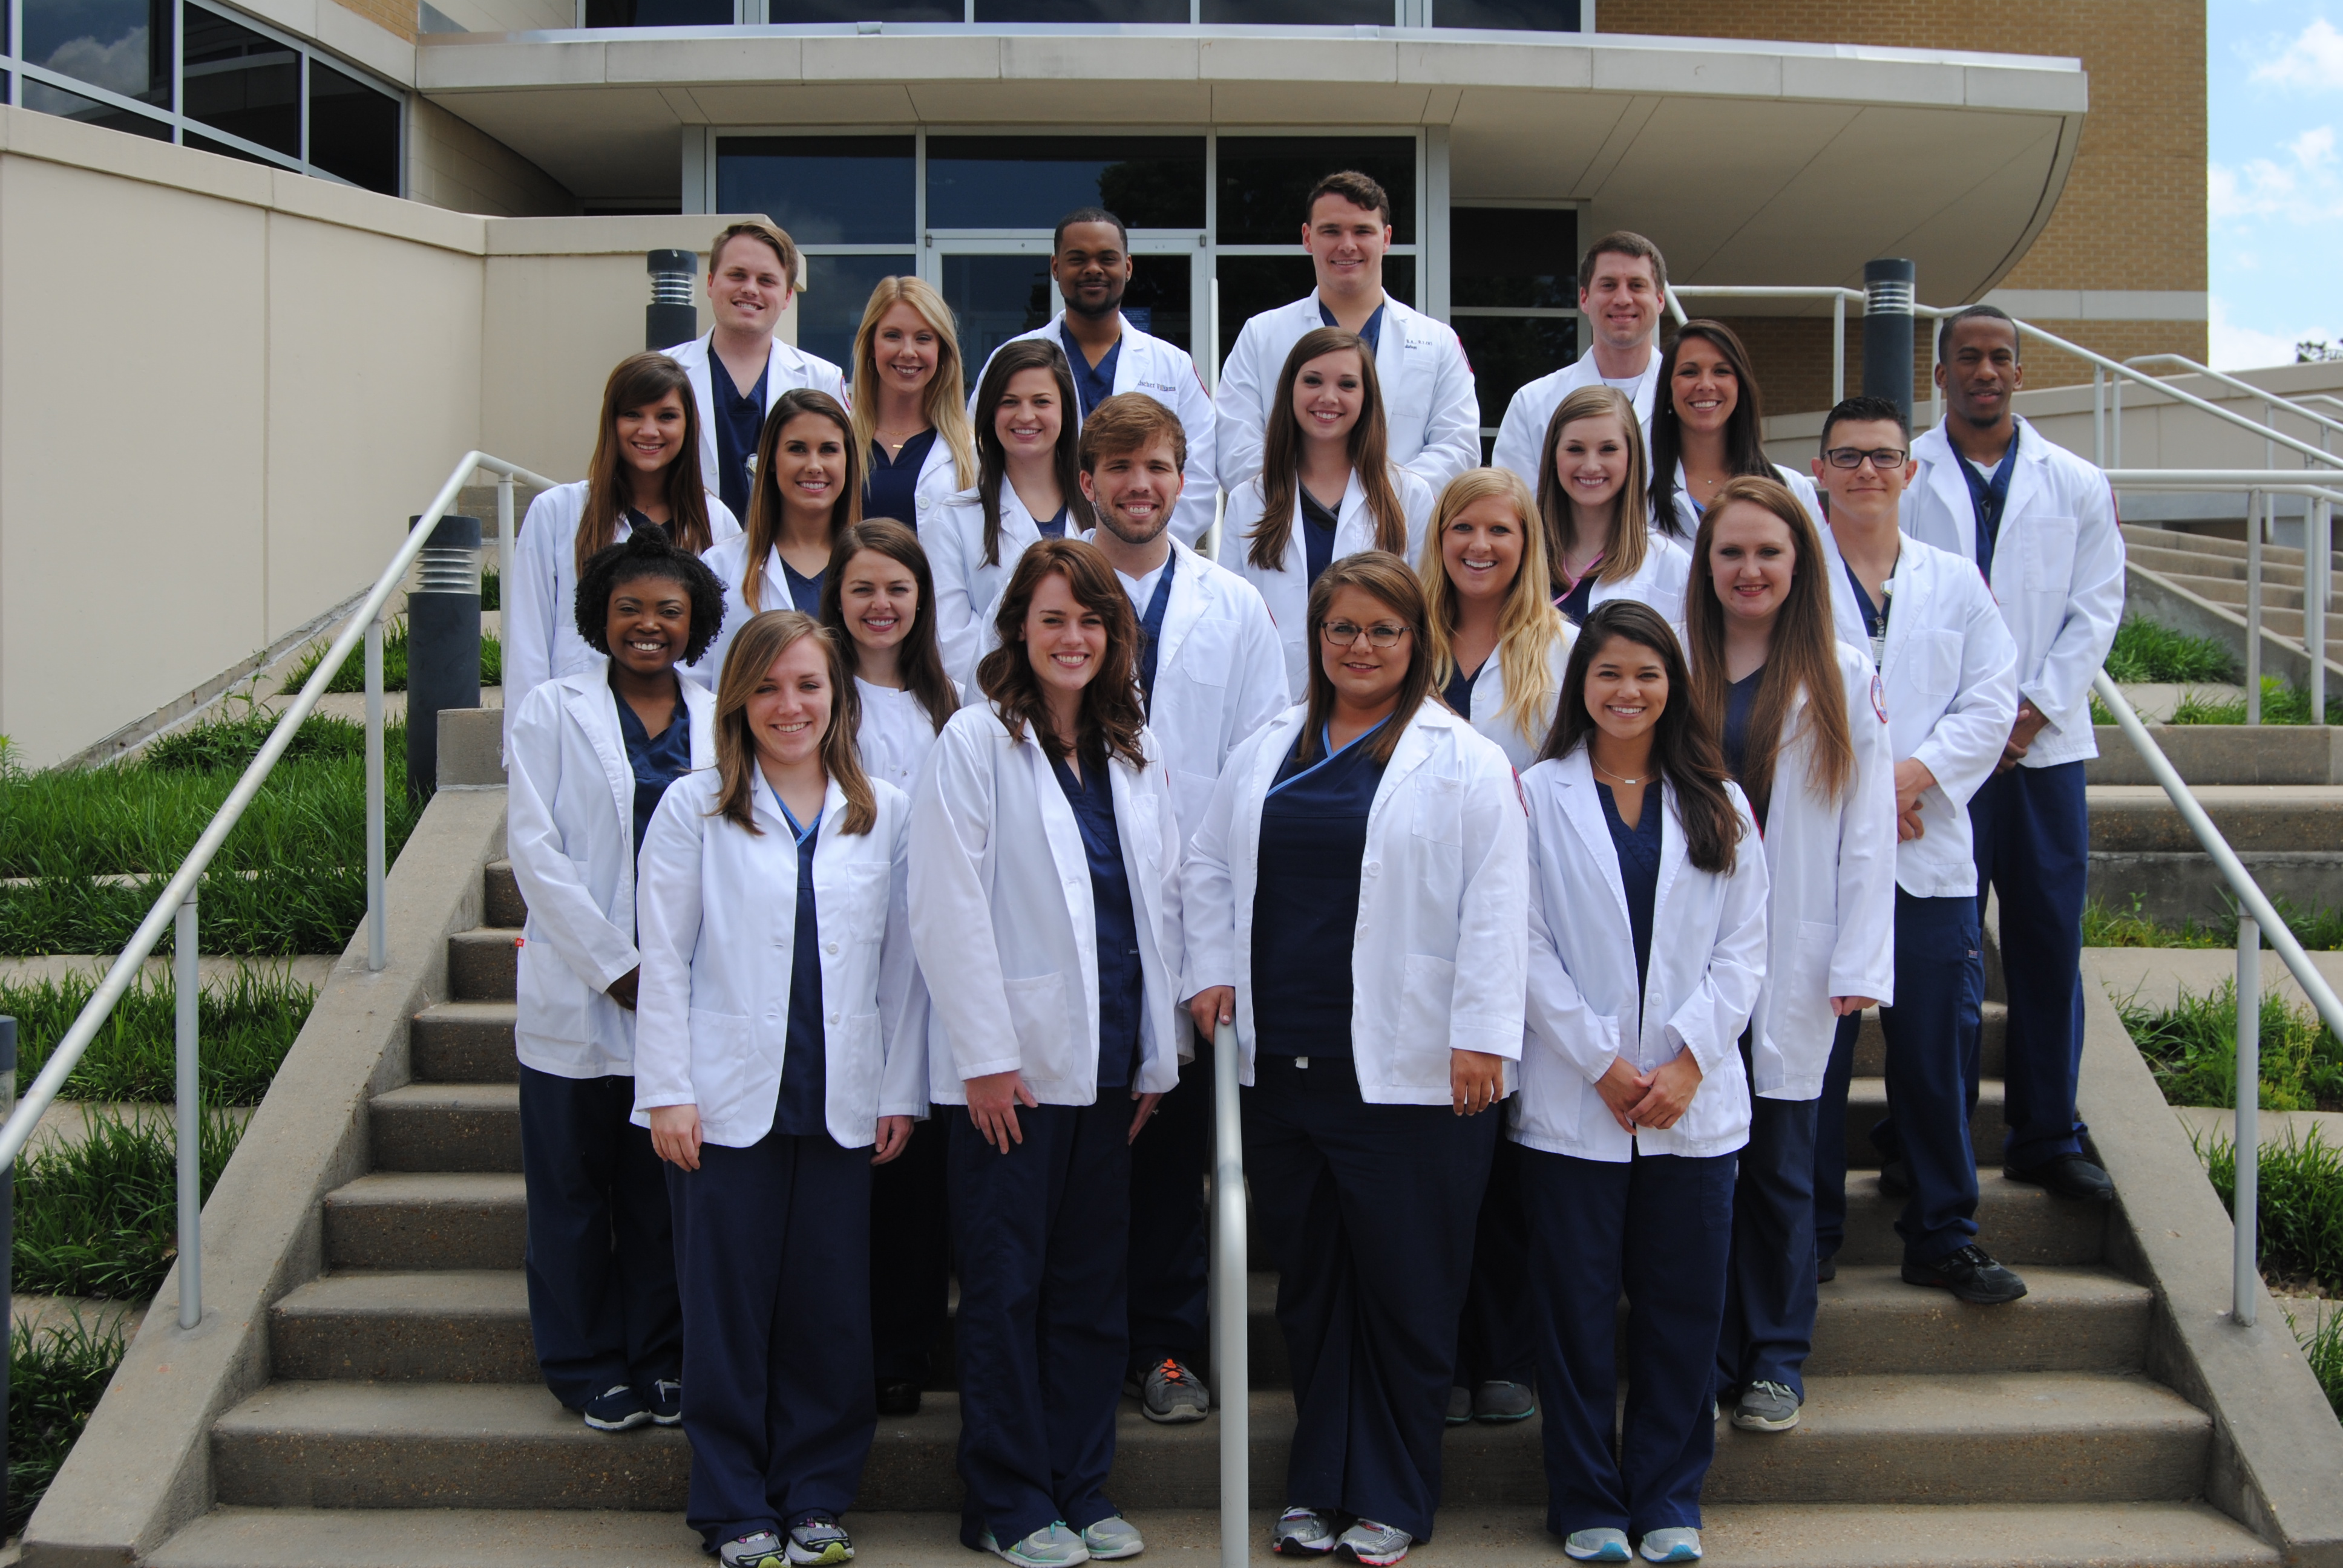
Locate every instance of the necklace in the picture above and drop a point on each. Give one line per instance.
(1620, 777)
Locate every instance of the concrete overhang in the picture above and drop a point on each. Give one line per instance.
(1749, 162)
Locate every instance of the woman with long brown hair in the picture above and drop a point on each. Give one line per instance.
(910, 420)
(1708, 426)
(1356, 906)
(1058, 991)
(644, 473)
(767, 1082)
(1590, 496)
(1327, 488)
(1804, 726)
(806, 490)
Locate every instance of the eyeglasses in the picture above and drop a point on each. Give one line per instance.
(1344, 633)
(1882, 457)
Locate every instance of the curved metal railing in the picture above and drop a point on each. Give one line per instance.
(1231, 1352)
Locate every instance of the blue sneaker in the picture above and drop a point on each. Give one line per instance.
(667, 1402)
(1674, 1543)
(617, 1409)
(1601, 1545)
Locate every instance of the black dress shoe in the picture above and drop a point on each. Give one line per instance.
(1970, 1274)
(2068, 1176)
(1826, 1269)
(899, 1396)
(1896, 1179)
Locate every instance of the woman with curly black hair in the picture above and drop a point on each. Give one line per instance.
(588, 756)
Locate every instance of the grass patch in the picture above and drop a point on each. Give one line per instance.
(57, 1374)
(2322, 1349)
(2281, 704)
(229, 745)
(245, 1028)
(99, 1217)
(492, 590)
(2144, 651)
(351, 676)
(2298, 1207)
(2193, 1050)
(2319, 929)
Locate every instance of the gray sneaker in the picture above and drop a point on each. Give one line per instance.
(1373, 1545)
(1498, 1402)
(761, 1550)
(1302, 1533)
(1172, 1395)
(1671, 1543)
(1110, 1538)
(1601, 1544)
(819, 1540)
(1766, 1407)
(1051, 1546)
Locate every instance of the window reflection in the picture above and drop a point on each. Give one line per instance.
(1515, 15)
(122, 46)
(659, 12)
(1031, 181)
(824, 190)
(1081, 10)
(1511, 256)
(995, 299)
(1264, 181)
(242, 82)
(353, 129)
(57, 101)
(865, 11)
(1303, 13)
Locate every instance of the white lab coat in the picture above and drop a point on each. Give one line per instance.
(1521, 436)
(1707, 962)
(1430, 407)
(1846, 616)
(1003, 922)
(966, 588)
(729, 560)
(787, 368)
(1687, 514)
(1437, 964)
(2058, 572)
(895, 734)
(1949, 680)
(939, 479)
(1662, 581)
(718, 909)
(1490, 720)
(1145, 363)
(1831, 910)
(541, 618)
(1286, 591)
(569, 832)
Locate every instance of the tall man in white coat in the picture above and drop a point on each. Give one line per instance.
(739, 367)
(1622, 289)
(1090, 257)
(1430, 406)
(2040, 524)
(1947, 676)
(1210, 673)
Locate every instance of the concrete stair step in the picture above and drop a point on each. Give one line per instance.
(483, 964)
(1871, 1042)
(2132, 818)
(2180, 562)
(2149, 537)
(1866, 1104)
(2051, 1437)
(2281, 607)
(447, 1325)
(1736, 1536)
(505, 906)
(2021, 1225)
(428, 1221)
(463, 1042)
(447, 1127)
(1869, 1322)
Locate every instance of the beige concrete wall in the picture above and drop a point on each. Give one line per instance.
(452, 164)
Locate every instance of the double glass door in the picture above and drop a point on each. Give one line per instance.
(999, 287)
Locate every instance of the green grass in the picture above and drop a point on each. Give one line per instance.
(2192, 1050)
(2145, 652)
(244, 1030)
(492, 590)
(2322, 1349)
(55, 1376)
(99, 1217)
(2298, 1205)
(2281, 704)
(2319, 929)
(351, 676)
(229, 744)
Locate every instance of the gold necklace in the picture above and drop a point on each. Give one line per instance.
(1621, 778)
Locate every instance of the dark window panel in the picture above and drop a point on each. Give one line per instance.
(1513, 256)
(242, 82)
(1513, 15)
(122, 46)
(1253, 283)
(1303, 13)
(1507, 352)
(204, 144)
(353, 129)
(663, 13)
(865, 10)
(56, 100)
(1161, 299)
(1081, 11)
(837, 287)
(995, 297)
(1031, 181)
(824, 190)
(1265, 180)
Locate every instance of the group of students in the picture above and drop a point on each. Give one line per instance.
(903, 803)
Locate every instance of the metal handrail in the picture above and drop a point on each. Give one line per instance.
(1231, 1348)
(2257, 918)
(1839, 297)
(2268, 397)
(178, 899)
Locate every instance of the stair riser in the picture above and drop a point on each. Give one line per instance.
(489, 1235)
(377, 1347)
(447, 1050)
(1867, 1106)
(482, 966)
(2036, 1228)
(505, 906)
(439, 1137)
(2279, 823)
(1871, 1044)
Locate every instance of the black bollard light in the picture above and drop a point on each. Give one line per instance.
(671, 318)
(1887, 286)
(443, 643)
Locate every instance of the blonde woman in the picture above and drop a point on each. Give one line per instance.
(1593, 487)
(908, 417)
(1498, 645)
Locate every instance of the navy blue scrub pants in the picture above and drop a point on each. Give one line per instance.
(1169, 1236)
(1769, 1287)
(1932, 1083)
(601, 1259)
(1492, 1340)
(2033, 831)
(910, 1255)
(776, 1272)
(1369, 1211)
(1040, 1233)
(1658, 1227)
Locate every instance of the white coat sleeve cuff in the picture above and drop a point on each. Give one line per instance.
(654, 1102)
(968, 1070)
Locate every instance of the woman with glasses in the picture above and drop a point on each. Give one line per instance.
(1355, 904)
(1590, 498)
(908, 417)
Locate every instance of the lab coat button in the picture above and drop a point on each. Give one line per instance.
(833, 1017)
(831, 948)
(1374, 868)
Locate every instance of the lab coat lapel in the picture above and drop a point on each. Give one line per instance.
(596, 710)
(1908, 586)
(1354, 526)
(703, 391)
(1391, 350)
(1138, 858)
(1192, 596)
(1065, 834)
(1584, 808)
(1132, 358)
(2026, 486)
(1414, 750)
(1672, 855)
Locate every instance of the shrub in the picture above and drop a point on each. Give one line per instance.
(2281, 704)
(2192, 1049)
(351, 676)
(245, 1029)
(99, 1216)
(57, 1374)
(2299, 1206)
(2144, 651)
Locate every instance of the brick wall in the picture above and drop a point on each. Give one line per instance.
(397, 15)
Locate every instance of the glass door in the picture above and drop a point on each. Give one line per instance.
(999, 287)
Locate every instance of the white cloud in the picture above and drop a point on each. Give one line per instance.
(120, 66)
(2234, 347)
(2314, 61)
(2302, 188)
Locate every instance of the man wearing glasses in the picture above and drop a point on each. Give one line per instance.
(2040, 524)
(1946, 680)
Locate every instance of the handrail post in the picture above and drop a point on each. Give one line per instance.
(1232, 1366)
(188, 1114)
(2246, 1195)
(2099, 415)
(2253, 607)
(2114, 422)
(505, 541)
(1838, 350)
(377, 939)
(1935, 392)
(2317, 517)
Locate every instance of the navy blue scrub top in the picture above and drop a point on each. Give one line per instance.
(1639, 869)
(891, 490)
(1305, 902)
(1052, 527)
(1371, 334)
(740, 420)
(1459, 690)
(638, 523)
(804, 593)
(800, 1112)
(658, 760)
(1151, 628)
(1120, 981)
(1740, 699)
(1318, 527)
(1574, 603)
(1093, 385)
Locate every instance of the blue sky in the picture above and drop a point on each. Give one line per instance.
(2274, 86)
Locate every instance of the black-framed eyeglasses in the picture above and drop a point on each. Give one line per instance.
(1344, 633)
(1882, 457)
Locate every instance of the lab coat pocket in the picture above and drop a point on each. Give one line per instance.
(1419, 1052)
(1207, 652)
(867, 888)
(1045, 1034)
(1439, 811)
(554, 1002)
(719, 1063)
(2050, 553)
(1936, 658)
(1803, 1025)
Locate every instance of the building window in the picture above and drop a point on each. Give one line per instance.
(242, 82)
(121, 46)
(659, 12)
(353, 129)
(825, 190)
(1301, 13)
(1062, 11)
(1031, 182)
(1510, 15)
(1263, 181)
(1514, 298)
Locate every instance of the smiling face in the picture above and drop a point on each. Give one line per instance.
(1626, 688)
(810, 464)
(1981, 372)
(1093, 266)
(1329, 392)
(1135, 491)
(650, 437)
(1751, 557)
(1590, 459)
(1865, 492)
(1482, 549)
(788, 712)
(1364, 675)
(1346, 244)
(747, 289)
(1064, 638)
(1621, 299)
(905, 348)
(1705, 389)
(648, 625)
(878, 597)
(1030, 418)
